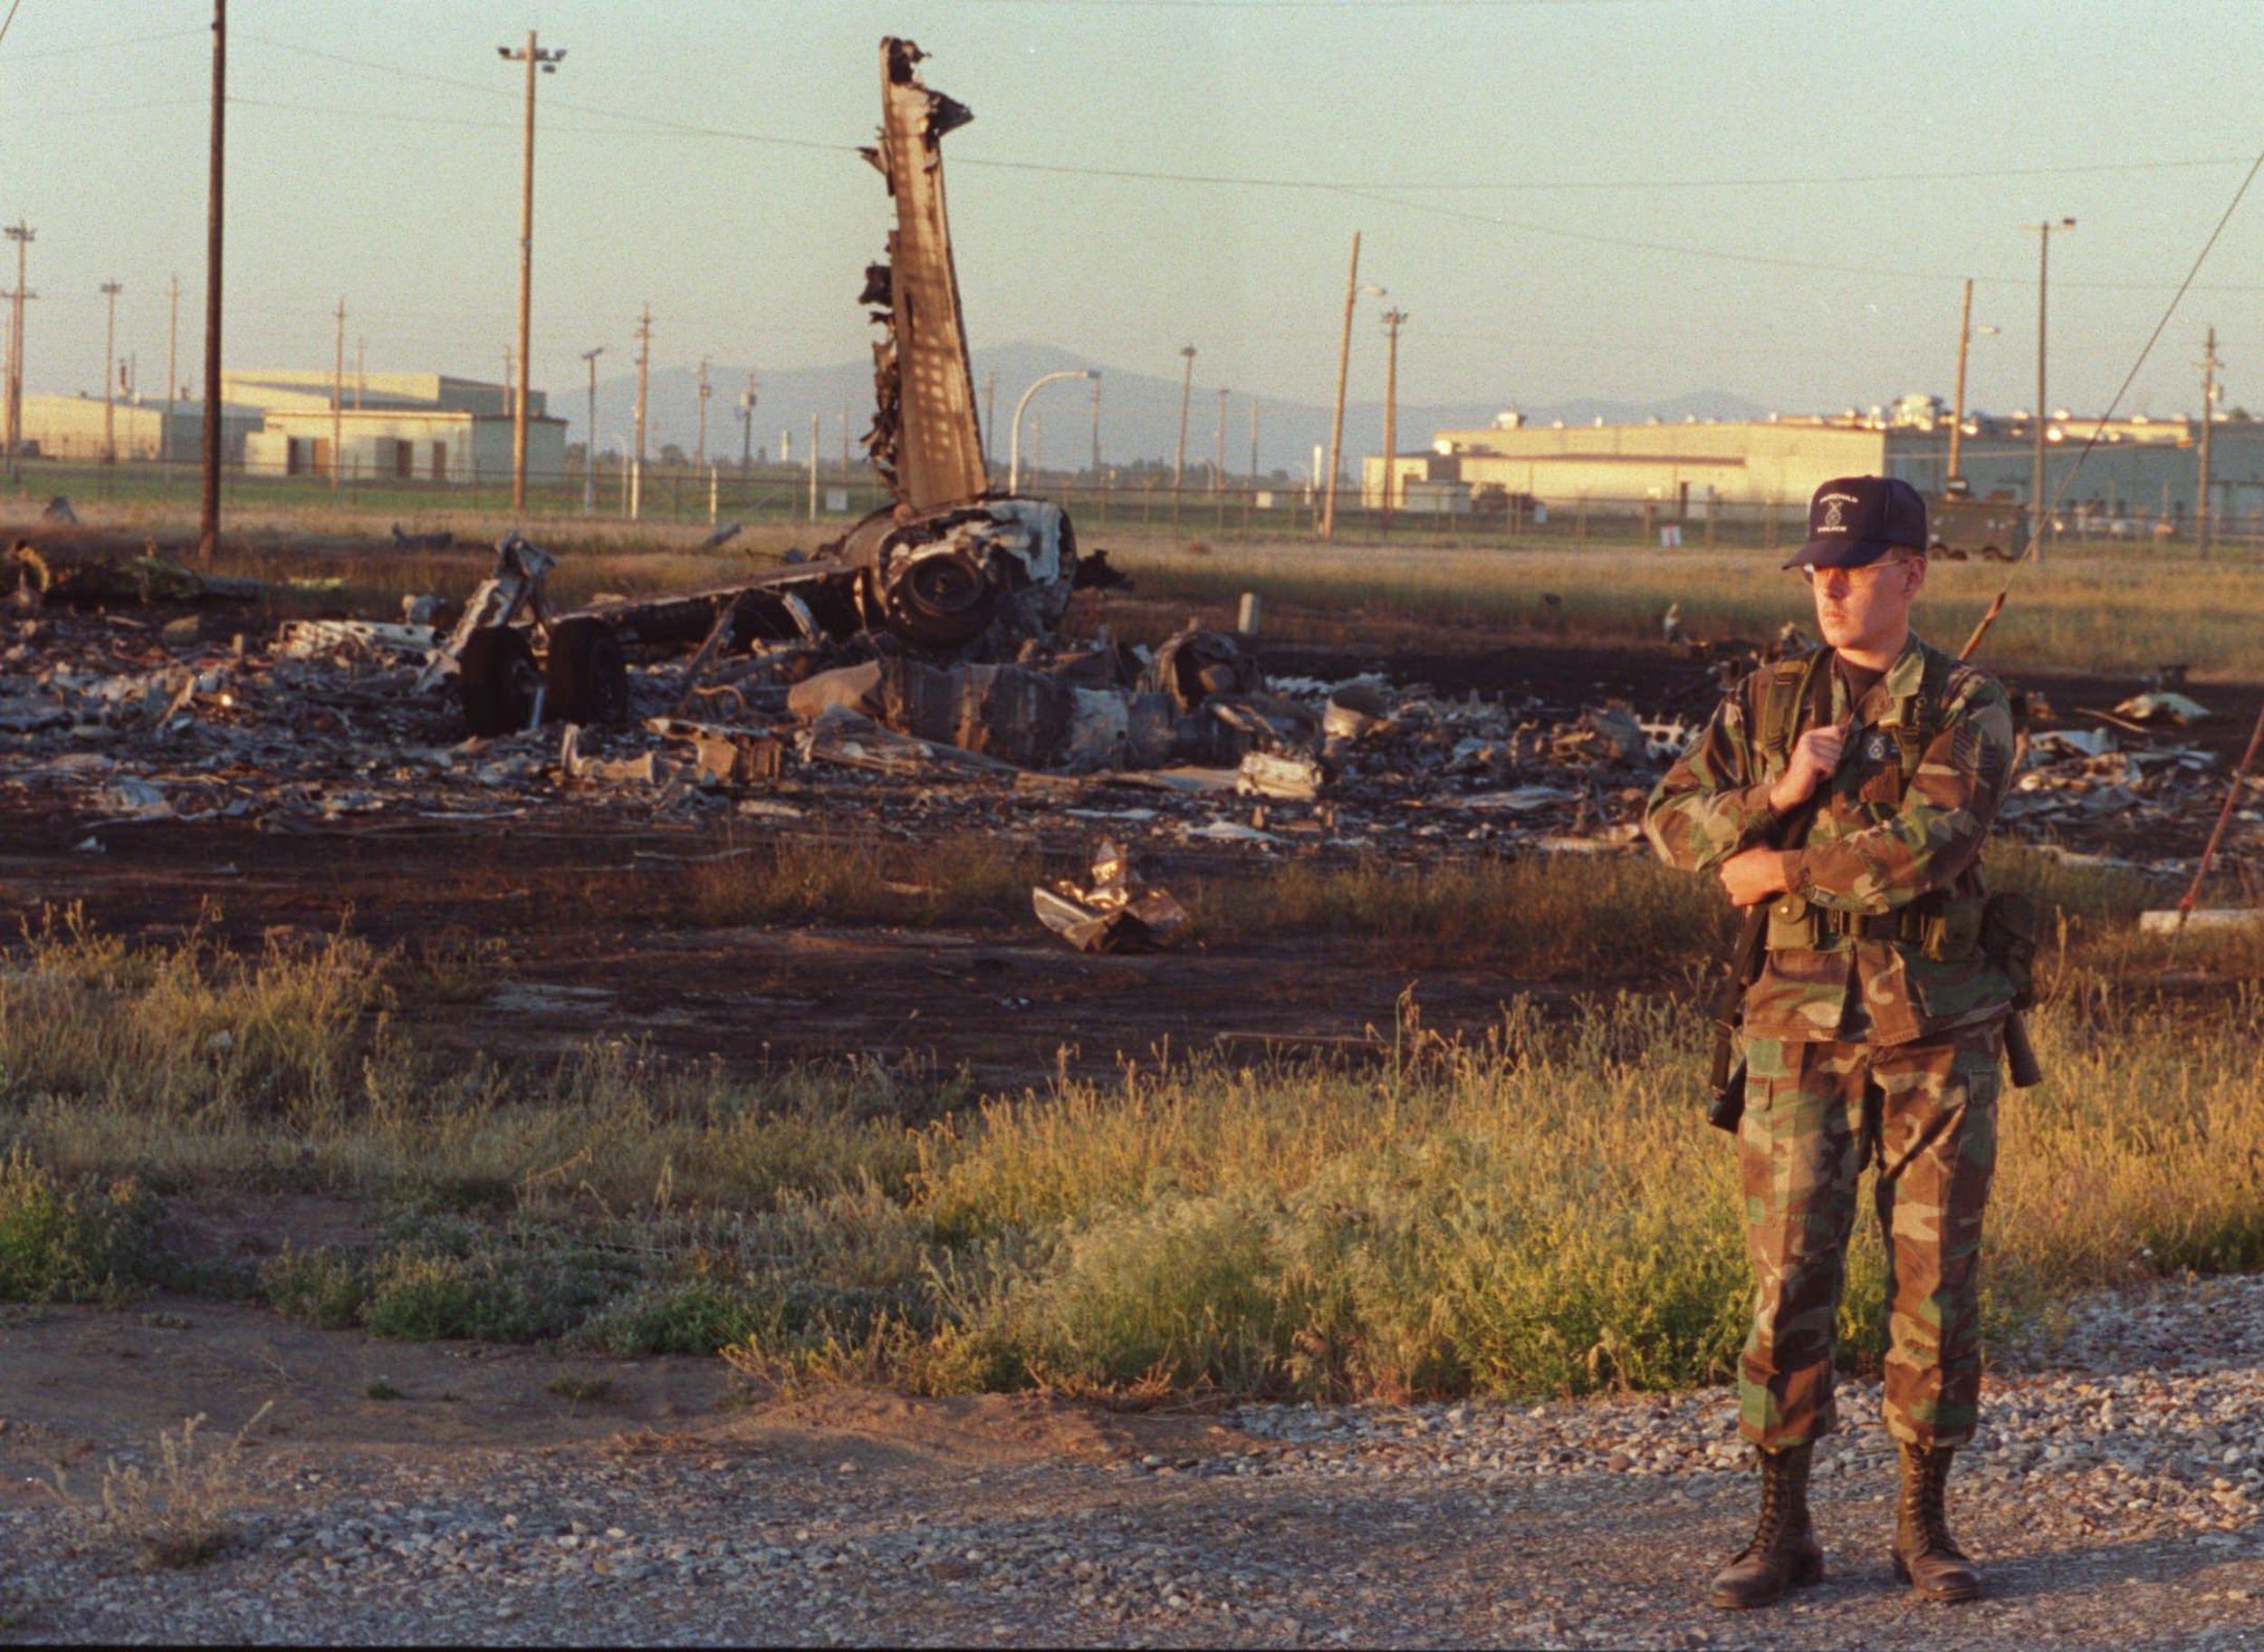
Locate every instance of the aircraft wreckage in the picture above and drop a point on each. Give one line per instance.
(935, 616)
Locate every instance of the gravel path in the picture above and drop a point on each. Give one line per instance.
(2115, 1501)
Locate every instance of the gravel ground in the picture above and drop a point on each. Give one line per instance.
(2114, 1500)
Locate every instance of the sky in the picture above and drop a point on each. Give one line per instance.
(1634, 199)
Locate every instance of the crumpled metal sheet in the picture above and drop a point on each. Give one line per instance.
(1115, 911)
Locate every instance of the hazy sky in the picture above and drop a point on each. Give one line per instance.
(1629, 198)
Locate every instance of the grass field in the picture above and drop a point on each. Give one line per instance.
(2091, 608)
(1541, 1209)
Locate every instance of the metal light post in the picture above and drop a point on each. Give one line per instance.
(1013, 445)
(547, 62)
(2037, 502)
(590, 458)
(109, 290)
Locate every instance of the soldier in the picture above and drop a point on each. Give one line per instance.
(1851, 788)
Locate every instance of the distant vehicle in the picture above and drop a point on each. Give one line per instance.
(1493, 499)
(1962, 527)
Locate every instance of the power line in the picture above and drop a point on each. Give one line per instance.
(97, 45)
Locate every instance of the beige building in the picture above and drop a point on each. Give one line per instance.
(2140, 470)
(392, 427)
(74, 428)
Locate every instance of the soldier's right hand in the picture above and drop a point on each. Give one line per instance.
(1815, 759)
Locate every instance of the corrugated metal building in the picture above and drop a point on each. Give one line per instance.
(71, 428)
(2143, 470)
(393, 426)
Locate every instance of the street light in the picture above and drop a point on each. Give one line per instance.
(1014, 444)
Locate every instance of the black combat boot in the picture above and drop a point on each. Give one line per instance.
(1783, 1553)
(1926, 1555)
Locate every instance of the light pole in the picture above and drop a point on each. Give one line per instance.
(1186, 389)
(1014, 444)
(1965, 332)
(590, 458)
(746, 426)
(2036, 500)
(547, 62)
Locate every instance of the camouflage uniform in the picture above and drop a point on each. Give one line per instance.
(1873, 1033)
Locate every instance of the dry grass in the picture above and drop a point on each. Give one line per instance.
(861, 876)
(178, 1511)
(2086, 610)
(1538, 1210)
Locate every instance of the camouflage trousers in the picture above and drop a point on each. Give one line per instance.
(1923, 1116)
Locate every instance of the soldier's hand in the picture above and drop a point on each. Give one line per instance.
(1753, 876)
(1815, 759)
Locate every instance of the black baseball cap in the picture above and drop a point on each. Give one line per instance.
(1854, 521)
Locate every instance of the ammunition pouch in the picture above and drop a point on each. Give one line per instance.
(1945, 930)
(2008, 930)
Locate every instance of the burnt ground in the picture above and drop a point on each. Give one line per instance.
(591, 915)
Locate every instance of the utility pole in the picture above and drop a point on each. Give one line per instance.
(699, 443)
(813, 467)
(23, 235)
(172, 382)
(990, 411)
(643, 362)
(208, 527)
(1392, 321)
(2203, 520)
(1344, 367)
(1254, 444)
(338, 397)
(361, 370)
(2038, 499)
(1096, 431)
(845, 458)
(1186, 389)
(590, 448)
(109, 290)
(746, 426)
(547, 62)
(1957, 422)
(1218, 456)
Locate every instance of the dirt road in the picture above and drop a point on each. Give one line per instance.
(2114, 1503)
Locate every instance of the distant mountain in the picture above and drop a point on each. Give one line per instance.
(1139, 413)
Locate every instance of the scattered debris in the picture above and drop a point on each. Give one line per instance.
(2162, 706)
(2202, 917)
(1115, 912)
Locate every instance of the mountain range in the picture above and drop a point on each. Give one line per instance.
(1139, 414)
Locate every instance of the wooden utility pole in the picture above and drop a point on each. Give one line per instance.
(1957, 421)
(1254, 444)
(172, 367)
(1344, 369)
(337, 399)
(23, 235)
(2039, 501)
(699, 445)
(1218, 458)
(746, 426)
(109, 290)
(644, 363)
(208, 527)
(547, 62)
(1095, 429)
(1391, 319)
(2204, 516)
(1186, 390)
(589, 446)
(990, 411)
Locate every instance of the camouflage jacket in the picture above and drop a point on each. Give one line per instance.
(1842, 964)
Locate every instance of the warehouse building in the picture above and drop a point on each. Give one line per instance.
(2141, 471)
(392, 427)
(74, 428)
